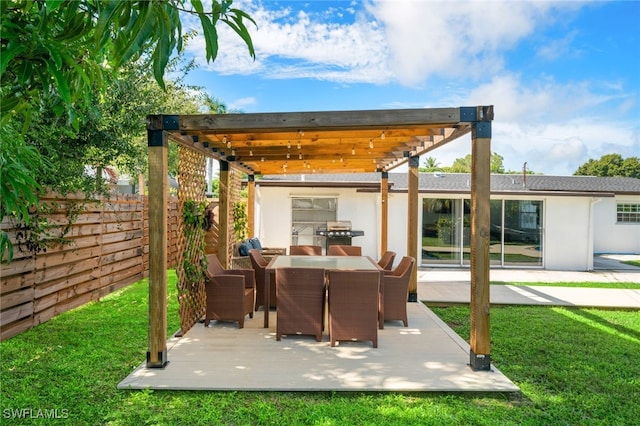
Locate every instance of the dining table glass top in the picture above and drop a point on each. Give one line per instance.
(324, 262)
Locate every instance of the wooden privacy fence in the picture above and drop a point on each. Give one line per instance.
(106, 248)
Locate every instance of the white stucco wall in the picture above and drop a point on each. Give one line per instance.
(566, 234)
(273, 214)
(568, 241)
(610, 236)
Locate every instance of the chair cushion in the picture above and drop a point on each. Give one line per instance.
(244, 248)
(255, 243)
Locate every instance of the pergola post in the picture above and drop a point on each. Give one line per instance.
(251, 202)
(384, 212)
(158, 147)
(480, 352)
(223, 213)
(412, 223)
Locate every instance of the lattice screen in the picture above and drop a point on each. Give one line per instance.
(235, 188)
(191, 242)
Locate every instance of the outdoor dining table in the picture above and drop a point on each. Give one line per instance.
(320, 262)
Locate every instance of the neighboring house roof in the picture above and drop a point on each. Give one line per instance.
(461, 183)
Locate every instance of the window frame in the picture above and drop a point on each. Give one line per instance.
(627, 212)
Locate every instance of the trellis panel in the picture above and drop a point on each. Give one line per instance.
(190, 242)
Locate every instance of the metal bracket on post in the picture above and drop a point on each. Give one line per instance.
(162, 360)
(479, 362)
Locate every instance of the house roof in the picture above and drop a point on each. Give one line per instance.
(461, 183)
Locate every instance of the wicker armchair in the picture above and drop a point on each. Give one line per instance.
(344, 250)
(301, 297)
(305, 250)
(259, 264)
(386, 261)
(230, 293)
(353, 305)
(396, 289)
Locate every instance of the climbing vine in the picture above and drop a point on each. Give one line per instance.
(197, 219)
(240, 219)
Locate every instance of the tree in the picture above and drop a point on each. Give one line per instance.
(430, 165)
(611, 165)
(65, 49)
(56, 61)
(463, 165)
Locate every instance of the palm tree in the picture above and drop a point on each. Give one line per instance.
(431, 165)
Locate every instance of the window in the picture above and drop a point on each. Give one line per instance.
(628, 212)
(307, 214)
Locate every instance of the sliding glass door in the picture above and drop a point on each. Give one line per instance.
(515, 233)
(522, 233)
(441, 231)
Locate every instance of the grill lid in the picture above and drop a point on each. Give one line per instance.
(339, 225)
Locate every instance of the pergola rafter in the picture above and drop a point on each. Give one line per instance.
(330, 142)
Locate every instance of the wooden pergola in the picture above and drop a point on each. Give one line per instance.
(323, 142)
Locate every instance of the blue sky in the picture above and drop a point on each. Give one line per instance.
(564, 77)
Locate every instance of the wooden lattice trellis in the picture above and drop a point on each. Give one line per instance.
(191, 240)
(235, 188)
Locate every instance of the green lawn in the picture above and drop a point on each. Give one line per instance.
(617, 284)
(574, 366)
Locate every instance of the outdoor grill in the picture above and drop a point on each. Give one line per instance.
(338, 233)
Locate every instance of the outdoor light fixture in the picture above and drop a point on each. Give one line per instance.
(382, 136)
(251, 153)
(353, 151)
(371, 143)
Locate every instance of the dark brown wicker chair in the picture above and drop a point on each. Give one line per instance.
(301, 297)
(344, 250)
(353, 305)
(305, 250)
(386, 261)
(230, 293)
(396, 290)
(259, 264)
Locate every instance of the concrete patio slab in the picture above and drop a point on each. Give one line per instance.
(426, 356)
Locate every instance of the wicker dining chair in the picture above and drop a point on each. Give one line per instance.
(344, 250)
(230, 293)
(259, 264)
(386, 261)
(353, 305)
(305, 250)
(301, 297)
(396, 290)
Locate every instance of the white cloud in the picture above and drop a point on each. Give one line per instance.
(240, 104)
(386, 41)
(554, 126)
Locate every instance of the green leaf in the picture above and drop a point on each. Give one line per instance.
(105, 19)
(162, 52)
(238, 26)
(6, 246)
(24, 72)
(61, 83)
(133, 43)
(12, 50)
(53, 5)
